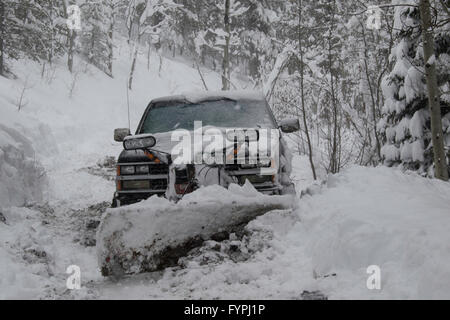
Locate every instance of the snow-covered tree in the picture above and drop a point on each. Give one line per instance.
(31, 29)
(369, 50)
(94, 36)
(145, 17)
(406, 114)
(113, 8)
(9, 34)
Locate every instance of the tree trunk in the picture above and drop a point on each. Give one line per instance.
(52, 33)
(71, 51)
(440, 161)
(302, 91)
(372, 97)
(334, 144)
(149, 54)
(91, 50)
(72, 34)
(110, 43)
(2, 32)
(133, 66)
(201, 75)
(226, 51)
(333, 160)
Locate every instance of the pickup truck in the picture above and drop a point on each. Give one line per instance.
(169, 154)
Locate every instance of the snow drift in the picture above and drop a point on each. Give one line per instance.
(22, 178)
(384, 217)
(360, 217)
(153, 234)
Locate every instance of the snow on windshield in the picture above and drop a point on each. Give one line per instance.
(220, 113)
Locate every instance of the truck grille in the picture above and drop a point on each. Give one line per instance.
(159, 169)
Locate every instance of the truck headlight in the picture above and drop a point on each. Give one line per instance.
(142, 169)
(125, 170)
(136, 185)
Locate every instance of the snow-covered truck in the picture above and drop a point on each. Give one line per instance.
(199, 166)
(144, 171)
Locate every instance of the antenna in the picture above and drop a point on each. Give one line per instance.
(128, 105)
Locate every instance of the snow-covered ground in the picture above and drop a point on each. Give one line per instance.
(137, 237)
(60, 141)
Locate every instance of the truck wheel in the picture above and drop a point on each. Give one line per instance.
(115, 203)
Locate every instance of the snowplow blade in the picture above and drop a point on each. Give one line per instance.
(154, 234)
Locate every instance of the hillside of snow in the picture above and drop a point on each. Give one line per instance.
(68, 119)
(56, 181)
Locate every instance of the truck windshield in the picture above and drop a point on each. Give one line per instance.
(219, 113)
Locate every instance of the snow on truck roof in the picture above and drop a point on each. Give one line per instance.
(196, 97)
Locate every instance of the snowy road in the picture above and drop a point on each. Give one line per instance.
(64, 232)
(361, 217)
(205, 273)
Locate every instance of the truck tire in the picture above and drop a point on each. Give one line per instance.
(115, 203)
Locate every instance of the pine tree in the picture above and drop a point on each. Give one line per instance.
(144, 17)
(31, 29)
(406, 115)
(94, 37)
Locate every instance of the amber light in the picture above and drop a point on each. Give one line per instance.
(151, 156)
(118, 170)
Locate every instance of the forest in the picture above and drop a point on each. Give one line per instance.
(355, 204)
(353, 73)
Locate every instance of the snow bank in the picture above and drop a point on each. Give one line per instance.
(361, 217)
(155, 233)
(22, 178)
(24, 262)
(380, 217)
(24, 141)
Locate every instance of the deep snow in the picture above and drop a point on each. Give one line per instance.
(361, 217)
(152, 234)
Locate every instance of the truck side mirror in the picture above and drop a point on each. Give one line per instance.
(290, 125)
(121, 134)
